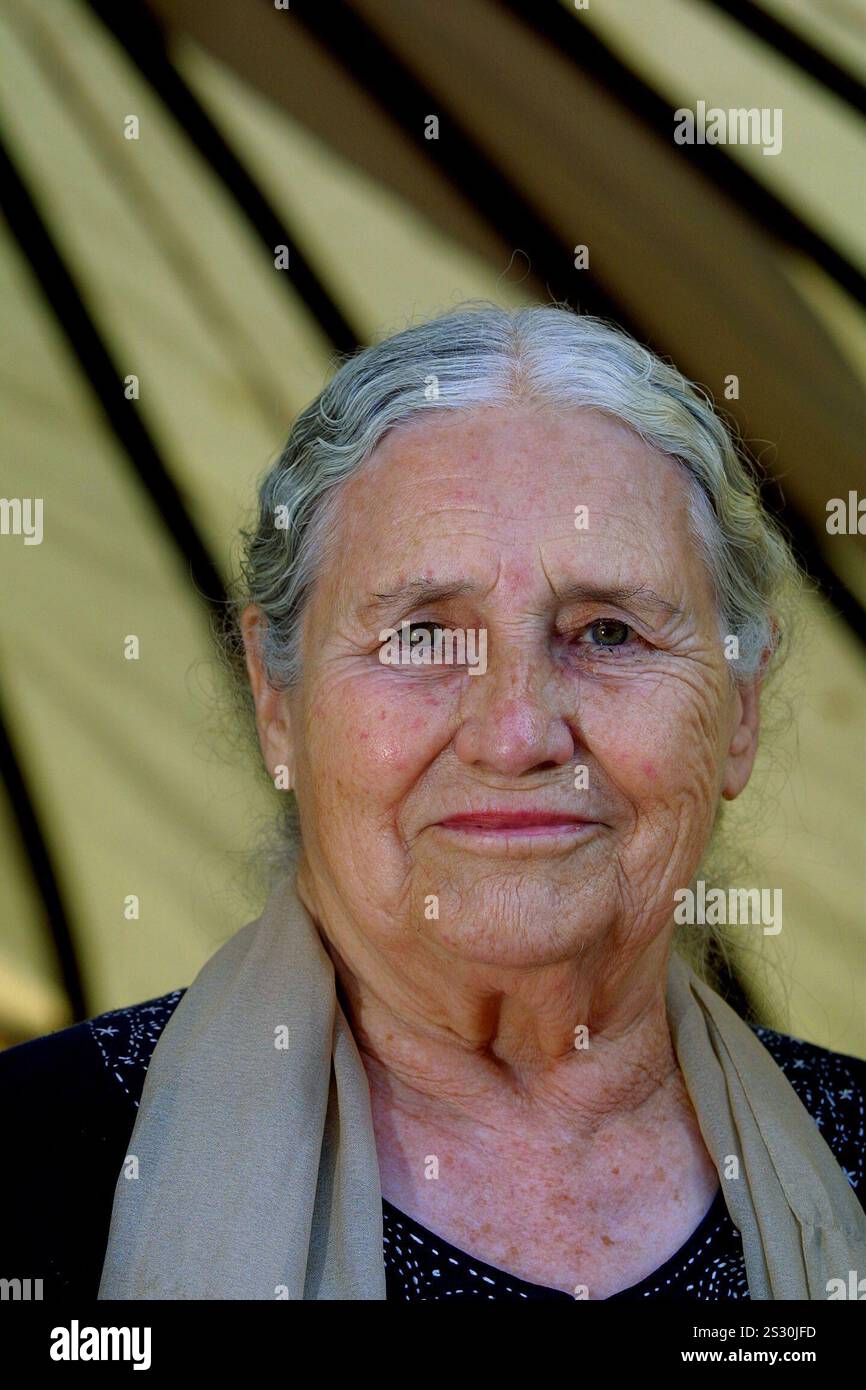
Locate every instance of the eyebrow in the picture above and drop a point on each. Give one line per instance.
(623, 596)
(416, 592)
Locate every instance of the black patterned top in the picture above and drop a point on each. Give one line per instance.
(75, 1093)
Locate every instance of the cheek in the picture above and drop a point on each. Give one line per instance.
(370, 742)
(658, 744)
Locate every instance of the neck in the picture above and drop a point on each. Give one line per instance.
(570, 1046)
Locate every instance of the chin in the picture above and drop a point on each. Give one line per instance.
(515, 921)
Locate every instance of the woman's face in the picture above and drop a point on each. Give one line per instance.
(603, 653)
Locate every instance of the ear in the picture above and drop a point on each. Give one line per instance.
(272, 716)
(743, 744)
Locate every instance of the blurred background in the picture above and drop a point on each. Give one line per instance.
(155, 156)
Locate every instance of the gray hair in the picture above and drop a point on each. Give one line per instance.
(483, 355)
(479, 354)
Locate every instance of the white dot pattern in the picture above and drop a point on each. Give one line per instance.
(126, 1039)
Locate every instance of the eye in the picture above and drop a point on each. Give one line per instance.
(407, 628)
(606, 632)
(427, 643)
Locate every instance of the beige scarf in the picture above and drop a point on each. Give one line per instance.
(255, 1172)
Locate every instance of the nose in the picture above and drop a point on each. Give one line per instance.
(512, 718)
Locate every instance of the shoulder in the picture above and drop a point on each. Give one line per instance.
(103, 1057)
(70, 1098)
(832, 1087)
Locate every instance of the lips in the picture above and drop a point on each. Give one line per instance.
(514, 820)
(519, 833)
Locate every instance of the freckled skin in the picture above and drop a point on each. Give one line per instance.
(466, 1021)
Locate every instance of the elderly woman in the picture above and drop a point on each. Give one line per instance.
(508, 609)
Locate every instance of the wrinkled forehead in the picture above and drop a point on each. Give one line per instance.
(515, 492)
(521, 467)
